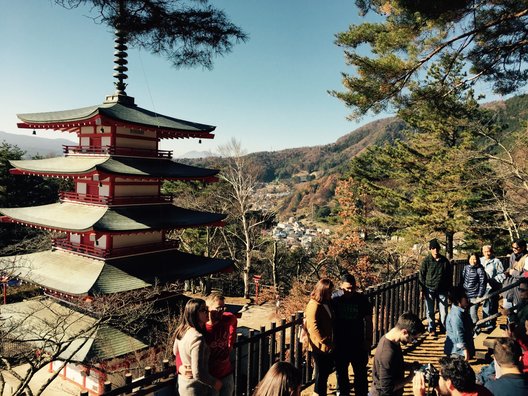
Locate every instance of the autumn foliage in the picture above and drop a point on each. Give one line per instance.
(348, 248)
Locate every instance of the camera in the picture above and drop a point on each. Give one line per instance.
(430, 373)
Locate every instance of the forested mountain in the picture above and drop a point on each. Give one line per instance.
(327, 163)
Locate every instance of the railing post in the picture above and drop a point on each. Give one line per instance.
(292, 339)
(128, 378)
(166, 366)
(261, 353)
(384, 309)
(273, 344)
(282, 340)
(375, 301)
(250, 361)
(238, 363)
(298, 345)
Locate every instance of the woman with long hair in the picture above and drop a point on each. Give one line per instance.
(193, 351)
(319, 324)
(282, 379)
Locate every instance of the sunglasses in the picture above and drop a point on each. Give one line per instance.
(522, 289)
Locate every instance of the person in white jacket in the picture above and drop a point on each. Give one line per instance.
(495, 276)
(193, 351)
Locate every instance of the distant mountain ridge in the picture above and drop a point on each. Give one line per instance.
(330, 162)
(35, 145)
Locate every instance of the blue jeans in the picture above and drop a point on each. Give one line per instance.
(490, 307)
(473, 310)
(228, 385)
(430, 298)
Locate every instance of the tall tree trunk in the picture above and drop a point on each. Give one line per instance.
(449, 245)
(274, 266)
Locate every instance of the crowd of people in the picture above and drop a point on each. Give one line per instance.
(339, 326)
(338, 332)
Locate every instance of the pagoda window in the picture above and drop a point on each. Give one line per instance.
(85, 141)
(104, 190)
(81, 188)
(106, 141)
(87, 130)
(101, 243)
(75, 238)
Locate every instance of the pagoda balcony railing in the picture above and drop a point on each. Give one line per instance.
(120, 200)
(91, 250)
(127, 151)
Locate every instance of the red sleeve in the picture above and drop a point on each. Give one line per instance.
(178, 362)
(232, 330)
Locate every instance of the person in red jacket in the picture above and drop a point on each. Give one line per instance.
(220, 336)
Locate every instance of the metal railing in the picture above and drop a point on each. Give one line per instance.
(125, 151)
(115, 200)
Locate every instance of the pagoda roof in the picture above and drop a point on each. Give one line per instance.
(115, 165)
(118, 114)
(74, 217)
(79, 275)
(44, 321)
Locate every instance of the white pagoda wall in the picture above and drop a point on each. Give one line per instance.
(137, 239)
(135, 138)
(135, 190)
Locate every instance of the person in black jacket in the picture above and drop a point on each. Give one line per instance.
(474, 283)
(435, 279)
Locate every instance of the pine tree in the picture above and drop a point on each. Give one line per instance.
(391, 55)
(436, 181)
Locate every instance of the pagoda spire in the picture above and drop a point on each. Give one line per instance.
(120, 60)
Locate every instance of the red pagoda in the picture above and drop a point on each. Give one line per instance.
(115, 222)
(116, 219)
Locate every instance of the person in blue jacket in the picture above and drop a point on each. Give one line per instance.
(474, 283)
(459, 327)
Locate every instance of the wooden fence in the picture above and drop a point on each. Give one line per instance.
(255, 353)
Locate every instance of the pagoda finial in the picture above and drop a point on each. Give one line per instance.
(120, 61)
(120, 69)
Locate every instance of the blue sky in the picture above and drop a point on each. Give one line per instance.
(270, 93)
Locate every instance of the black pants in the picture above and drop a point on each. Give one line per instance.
(359, 360)
(324, 365)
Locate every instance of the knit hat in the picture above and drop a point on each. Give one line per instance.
(433, 244)
(349, 278)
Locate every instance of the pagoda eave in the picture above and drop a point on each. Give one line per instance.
(103, 175)
(7, 219)
(75, 127)
(54, 270)
(16, 171)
